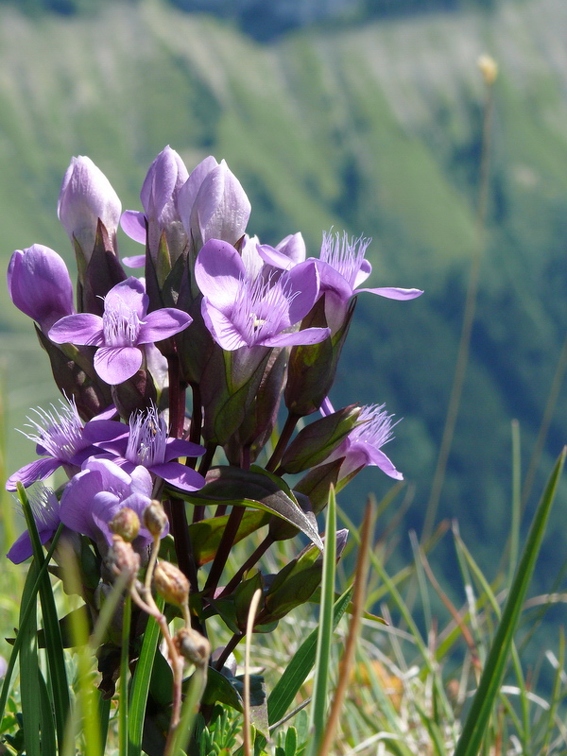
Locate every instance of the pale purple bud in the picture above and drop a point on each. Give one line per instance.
(87, 195)
(166, 176)
(40, 286)
(221, 208)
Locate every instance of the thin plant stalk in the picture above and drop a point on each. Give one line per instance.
(468, 320)
(252, 611)
(347, 661)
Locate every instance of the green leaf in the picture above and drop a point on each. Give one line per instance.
(325, 634)
(206, 534)
(53, 640)
(479, 714)
(29, 670)
(296, 672)
(141, 683)
(259, 491)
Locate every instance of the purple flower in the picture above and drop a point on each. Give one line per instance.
(164, 179)
(122, 331)
(45, 510)
(87, 195)
(146, 442)
(39, 285)
(61, 442)
(212, 204)
(343, 268)
(93, 496)
(363, 445)
(239, 311)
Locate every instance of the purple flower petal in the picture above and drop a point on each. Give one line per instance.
(306, 336)
(304, 289)
(134, 225)
(161, 324)
(134, 261)
(40, 469)
(176, 447)
(218, 271)
(84, 329)
(116, 364)
(22, 548)
(392, 292)
(179, 475)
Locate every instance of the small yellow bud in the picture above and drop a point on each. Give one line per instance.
(488, 68)
(125, 523)
(171, 583)
(155, 518)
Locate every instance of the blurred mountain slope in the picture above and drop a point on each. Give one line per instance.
(374, 128)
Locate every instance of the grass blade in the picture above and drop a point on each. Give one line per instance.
(479, 714)
(53, 641)
(325, 636)
(141, 684)
(29, 670)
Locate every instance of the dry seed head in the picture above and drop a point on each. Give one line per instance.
(155, 518)
(125, 524)
(122, 558)
(192, 646)
(171, 583)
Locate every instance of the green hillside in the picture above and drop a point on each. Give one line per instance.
(375, 129)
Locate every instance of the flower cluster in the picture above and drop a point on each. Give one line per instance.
(220, 323)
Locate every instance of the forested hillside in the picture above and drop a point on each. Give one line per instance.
(374, 128)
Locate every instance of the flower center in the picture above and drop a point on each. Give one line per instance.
(58, 433)
(147, 440)
(121, 325)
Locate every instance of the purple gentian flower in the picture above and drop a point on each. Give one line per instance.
(213, 205)
(45, 510)
(342, 269)
(93, 496)
(165, 177)
(146, 442)
(87, 195)
(242, 312)
(363, 445)
(122, 331)
(40, 286)
(61, 442)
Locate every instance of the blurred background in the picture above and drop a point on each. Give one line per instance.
(364, 115)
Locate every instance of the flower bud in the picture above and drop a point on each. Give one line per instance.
(171, 583)
(221, 208)
(122, 558)
(40, 286)
(488, 68)
(155, 518)
(87, 195)
(192, 646)
(125, 524)
(166, 176)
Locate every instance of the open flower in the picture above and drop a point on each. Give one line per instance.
(146, 442)
(342, 268)
(363, 445)
(122, 331)
(239, 311)
(60, 441)
(101, 489)
(40, 285)
(45, 510)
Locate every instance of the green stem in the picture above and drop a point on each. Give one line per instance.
(283, 441)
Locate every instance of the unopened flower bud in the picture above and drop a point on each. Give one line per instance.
(122, 558)
(488, 68)
(171, 583)
(155, 518)
(125, 524)
(192, 646)
(87, 195)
